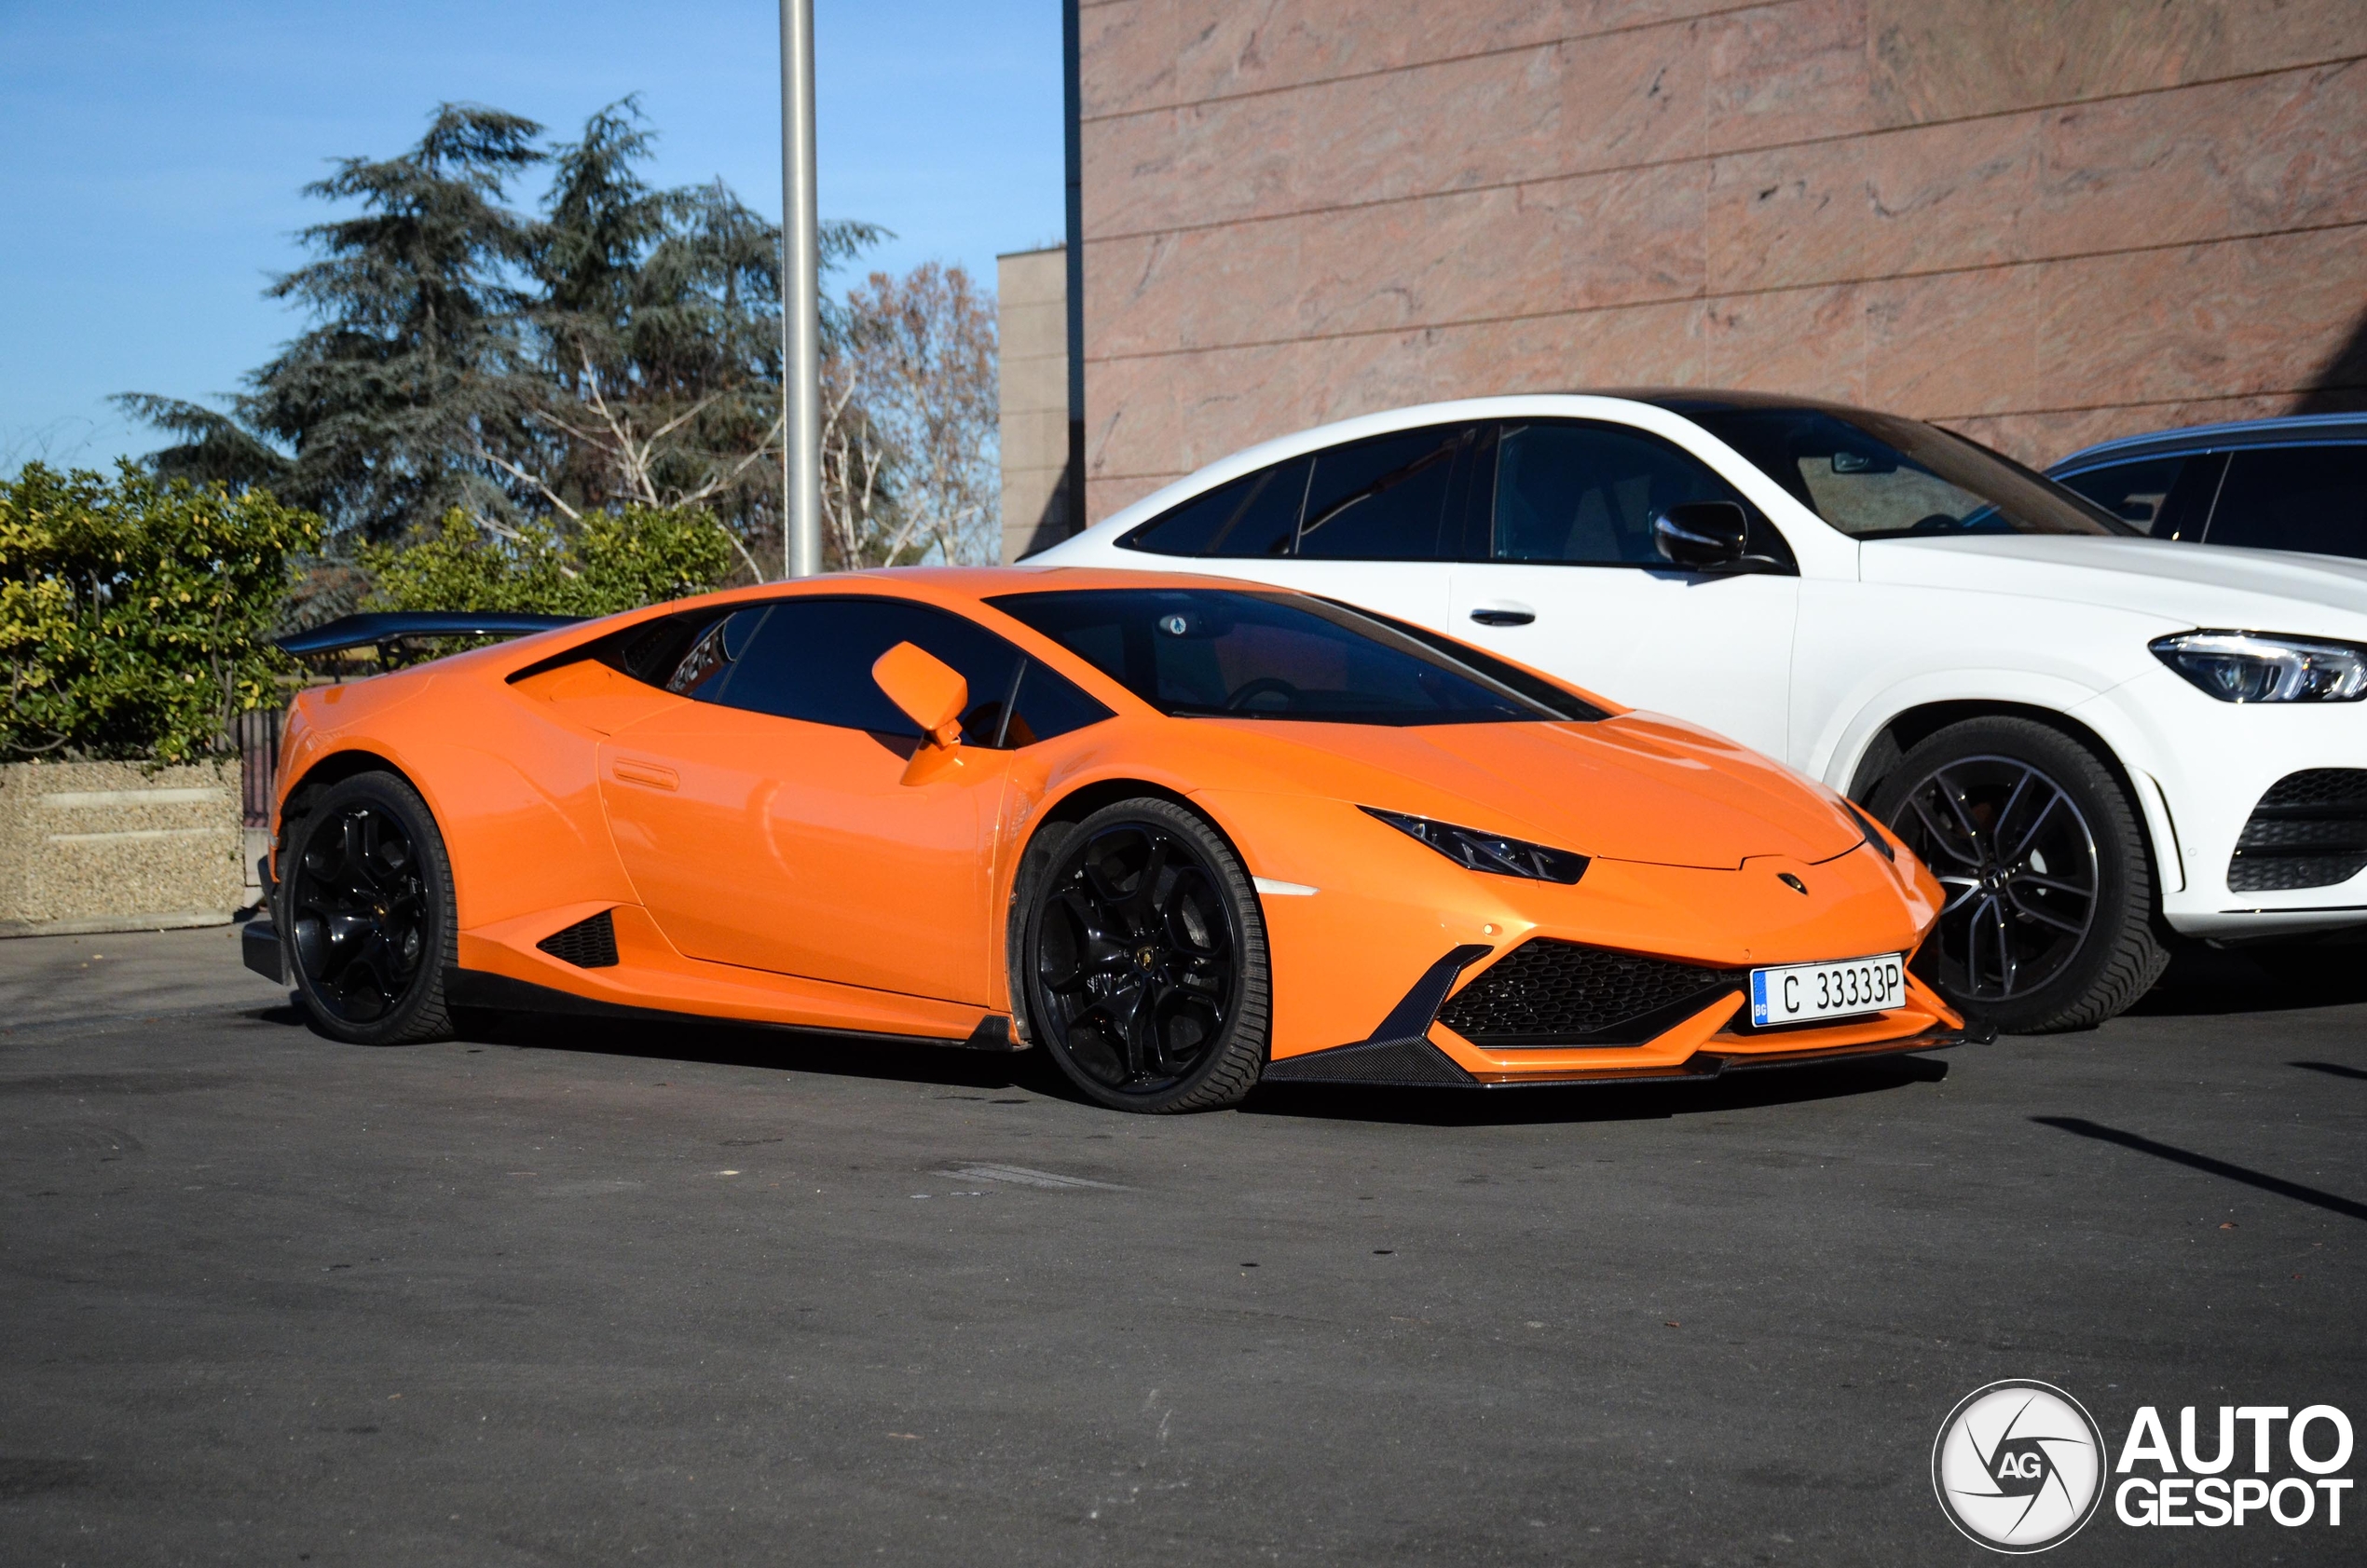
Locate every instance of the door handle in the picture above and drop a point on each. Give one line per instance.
(1502, 615)
(627, 770)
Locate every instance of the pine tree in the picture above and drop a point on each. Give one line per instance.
(620, 349)
(416, 367)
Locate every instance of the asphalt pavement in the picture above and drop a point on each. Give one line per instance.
(561, 1294)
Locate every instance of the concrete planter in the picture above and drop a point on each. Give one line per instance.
(117, 846)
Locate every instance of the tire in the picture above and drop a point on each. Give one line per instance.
(1144, 968)
(2049, 918)
(366, 912)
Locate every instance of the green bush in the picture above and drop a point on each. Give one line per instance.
(133, 611)
(604, 563)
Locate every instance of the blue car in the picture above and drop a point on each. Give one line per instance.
(2296, 483)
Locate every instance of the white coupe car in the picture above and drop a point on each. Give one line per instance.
(2086, 733)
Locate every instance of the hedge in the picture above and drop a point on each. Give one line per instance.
(133, 612)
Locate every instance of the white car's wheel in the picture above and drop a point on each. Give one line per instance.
(2049, 918)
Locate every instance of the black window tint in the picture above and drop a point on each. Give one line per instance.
(1048, 704)
(1252, 655)
(1544, 693)
(1253, 515)
(1586, 495)
(812, 660)
(701, 672)
(2135, 493)
(2294, 497)
(1383, 500)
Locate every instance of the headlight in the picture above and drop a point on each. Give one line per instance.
(1874, 839)
(2267, 666)
(1487, 851)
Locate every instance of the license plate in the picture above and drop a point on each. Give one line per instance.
(1799, 993)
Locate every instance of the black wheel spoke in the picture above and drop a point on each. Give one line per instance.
(2021, 873)
(359, 913)
(1134, 965)
(1942, 839)
(2039, 913)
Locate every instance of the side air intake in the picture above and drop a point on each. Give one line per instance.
(586, 943)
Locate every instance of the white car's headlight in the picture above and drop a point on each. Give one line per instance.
(2267, 666)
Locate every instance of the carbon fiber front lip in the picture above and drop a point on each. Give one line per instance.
(1707, 1064)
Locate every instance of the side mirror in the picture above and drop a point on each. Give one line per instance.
(1701, 536)
(931, 692)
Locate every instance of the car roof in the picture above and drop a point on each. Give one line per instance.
(954, 585)
(1704, 400)
(2302, 429)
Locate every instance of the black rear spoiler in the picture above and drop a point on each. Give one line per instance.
(368, 631)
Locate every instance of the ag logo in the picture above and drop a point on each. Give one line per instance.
(2019, 1466)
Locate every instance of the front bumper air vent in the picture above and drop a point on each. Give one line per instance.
(2308, 831)
(1545, 992)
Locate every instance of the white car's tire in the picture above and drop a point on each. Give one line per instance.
(2051, 918)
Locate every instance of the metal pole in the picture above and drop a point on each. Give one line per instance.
(1073, 113)
(801, 302)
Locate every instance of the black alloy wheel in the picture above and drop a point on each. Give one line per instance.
(2048, 922)
(1146, 962)
(365, 912)
(2019, 865)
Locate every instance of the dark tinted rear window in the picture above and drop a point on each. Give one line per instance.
(2293, 497)
(1384, 500)
(1216, 652)
(1251, 516)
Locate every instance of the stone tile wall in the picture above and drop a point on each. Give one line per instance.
(2040, 222)
(1031, 312)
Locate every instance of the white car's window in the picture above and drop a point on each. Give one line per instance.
(1386, 498)
(1877, 476)
(1585, 495)
(1251, 517)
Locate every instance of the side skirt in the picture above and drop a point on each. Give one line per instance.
(473, 987)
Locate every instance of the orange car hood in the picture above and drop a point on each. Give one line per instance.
(1634, 787)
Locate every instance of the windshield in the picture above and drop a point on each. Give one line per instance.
(1877, 477)
(1211, 652)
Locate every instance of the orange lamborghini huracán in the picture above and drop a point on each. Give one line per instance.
(1180, 833)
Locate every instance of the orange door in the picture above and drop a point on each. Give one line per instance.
(787, 845)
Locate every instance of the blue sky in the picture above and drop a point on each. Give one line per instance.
(151, 153)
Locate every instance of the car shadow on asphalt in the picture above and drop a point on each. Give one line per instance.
(728, 1044)
(725, 1045)
(1560, 1103)
(2204, 982)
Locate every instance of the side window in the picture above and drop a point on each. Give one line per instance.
(1253, 515)
(1585, 495)
(1386, 498)
(700, 674)
(812, 660)
(2170, 497)
(1048, 704)
(2293, 497)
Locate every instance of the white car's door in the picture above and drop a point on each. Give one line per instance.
(1372, 521)
(1573, 584)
